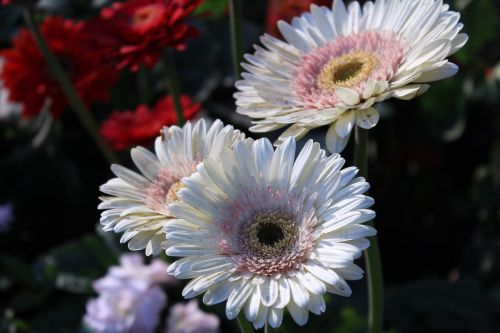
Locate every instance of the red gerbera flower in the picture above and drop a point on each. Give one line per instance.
(286, 10)
(125, 129)
(137, 31)
(26, 76)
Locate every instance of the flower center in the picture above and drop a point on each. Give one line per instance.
(163, 191)
(346, 70)
(269, 234)
(147, 16)
(172, 191)
(348, 61)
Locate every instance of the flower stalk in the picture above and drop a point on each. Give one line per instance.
(373, 263)
(66, 85)
(268, 328)
(236, 37)
(173, 85)
(243, 324)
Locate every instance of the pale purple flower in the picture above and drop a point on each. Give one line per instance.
(130, 299)
(6, 217)
(125, 306)
(188, 318)
(132, 266)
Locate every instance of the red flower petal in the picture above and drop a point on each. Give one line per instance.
(25, 70)
(136, 31)
(126, 129)
(286, 10)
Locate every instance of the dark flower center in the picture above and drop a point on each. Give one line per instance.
(269, 234)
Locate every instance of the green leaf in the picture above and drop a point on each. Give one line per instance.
(28, 300)
(74, 265)
(216, 8)
(482, 24)
(18, 271)
(350, 322)
(444, 117)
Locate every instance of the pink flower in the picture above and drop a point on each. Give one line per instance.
(125, 306)
(130, 299)
(188, 318)
(132, 267)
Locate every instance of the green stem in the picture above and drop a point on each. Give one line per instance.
(69, 91)
(173, 85)
(236, 37)
(372, 254)
(268, 328)
(243, 323)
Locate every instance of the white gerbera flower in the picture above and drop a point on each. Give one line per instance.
(138, 205)
(338, 63)
(267, 231)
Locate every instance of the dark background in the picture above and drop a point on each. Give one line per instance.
(434, 173)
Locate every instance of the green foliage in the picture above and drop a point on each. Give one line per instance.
(350, 322)
(444, 118)
(215, 8)
(55, 288)
(434, 306)
(482, 23)
(16, 270)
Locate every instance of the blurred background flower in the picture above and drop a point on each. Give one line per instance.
(188, 318)
(132, 267)
(286, 10)
(125, 129)
(125, 306)
(136, 32)
(24, 69)
(129, 297)
(6, 216)
(8, 110)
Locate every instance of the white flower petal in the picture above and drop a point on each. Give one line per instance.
(237, 298)
(367, 118)
(146, 162)
(275, 317)
(300, 315)
(284, 294)
(269, 291)
(299, 295)
(445, 71)
(317, 304)
(294, 37)
(261, 317)
(335, 143)
(345, 124)
(217, 293)
(348, 96)
(253, 305)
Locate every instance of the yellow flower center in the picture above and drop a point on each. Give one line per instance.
(346, 70)
(172, 191)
